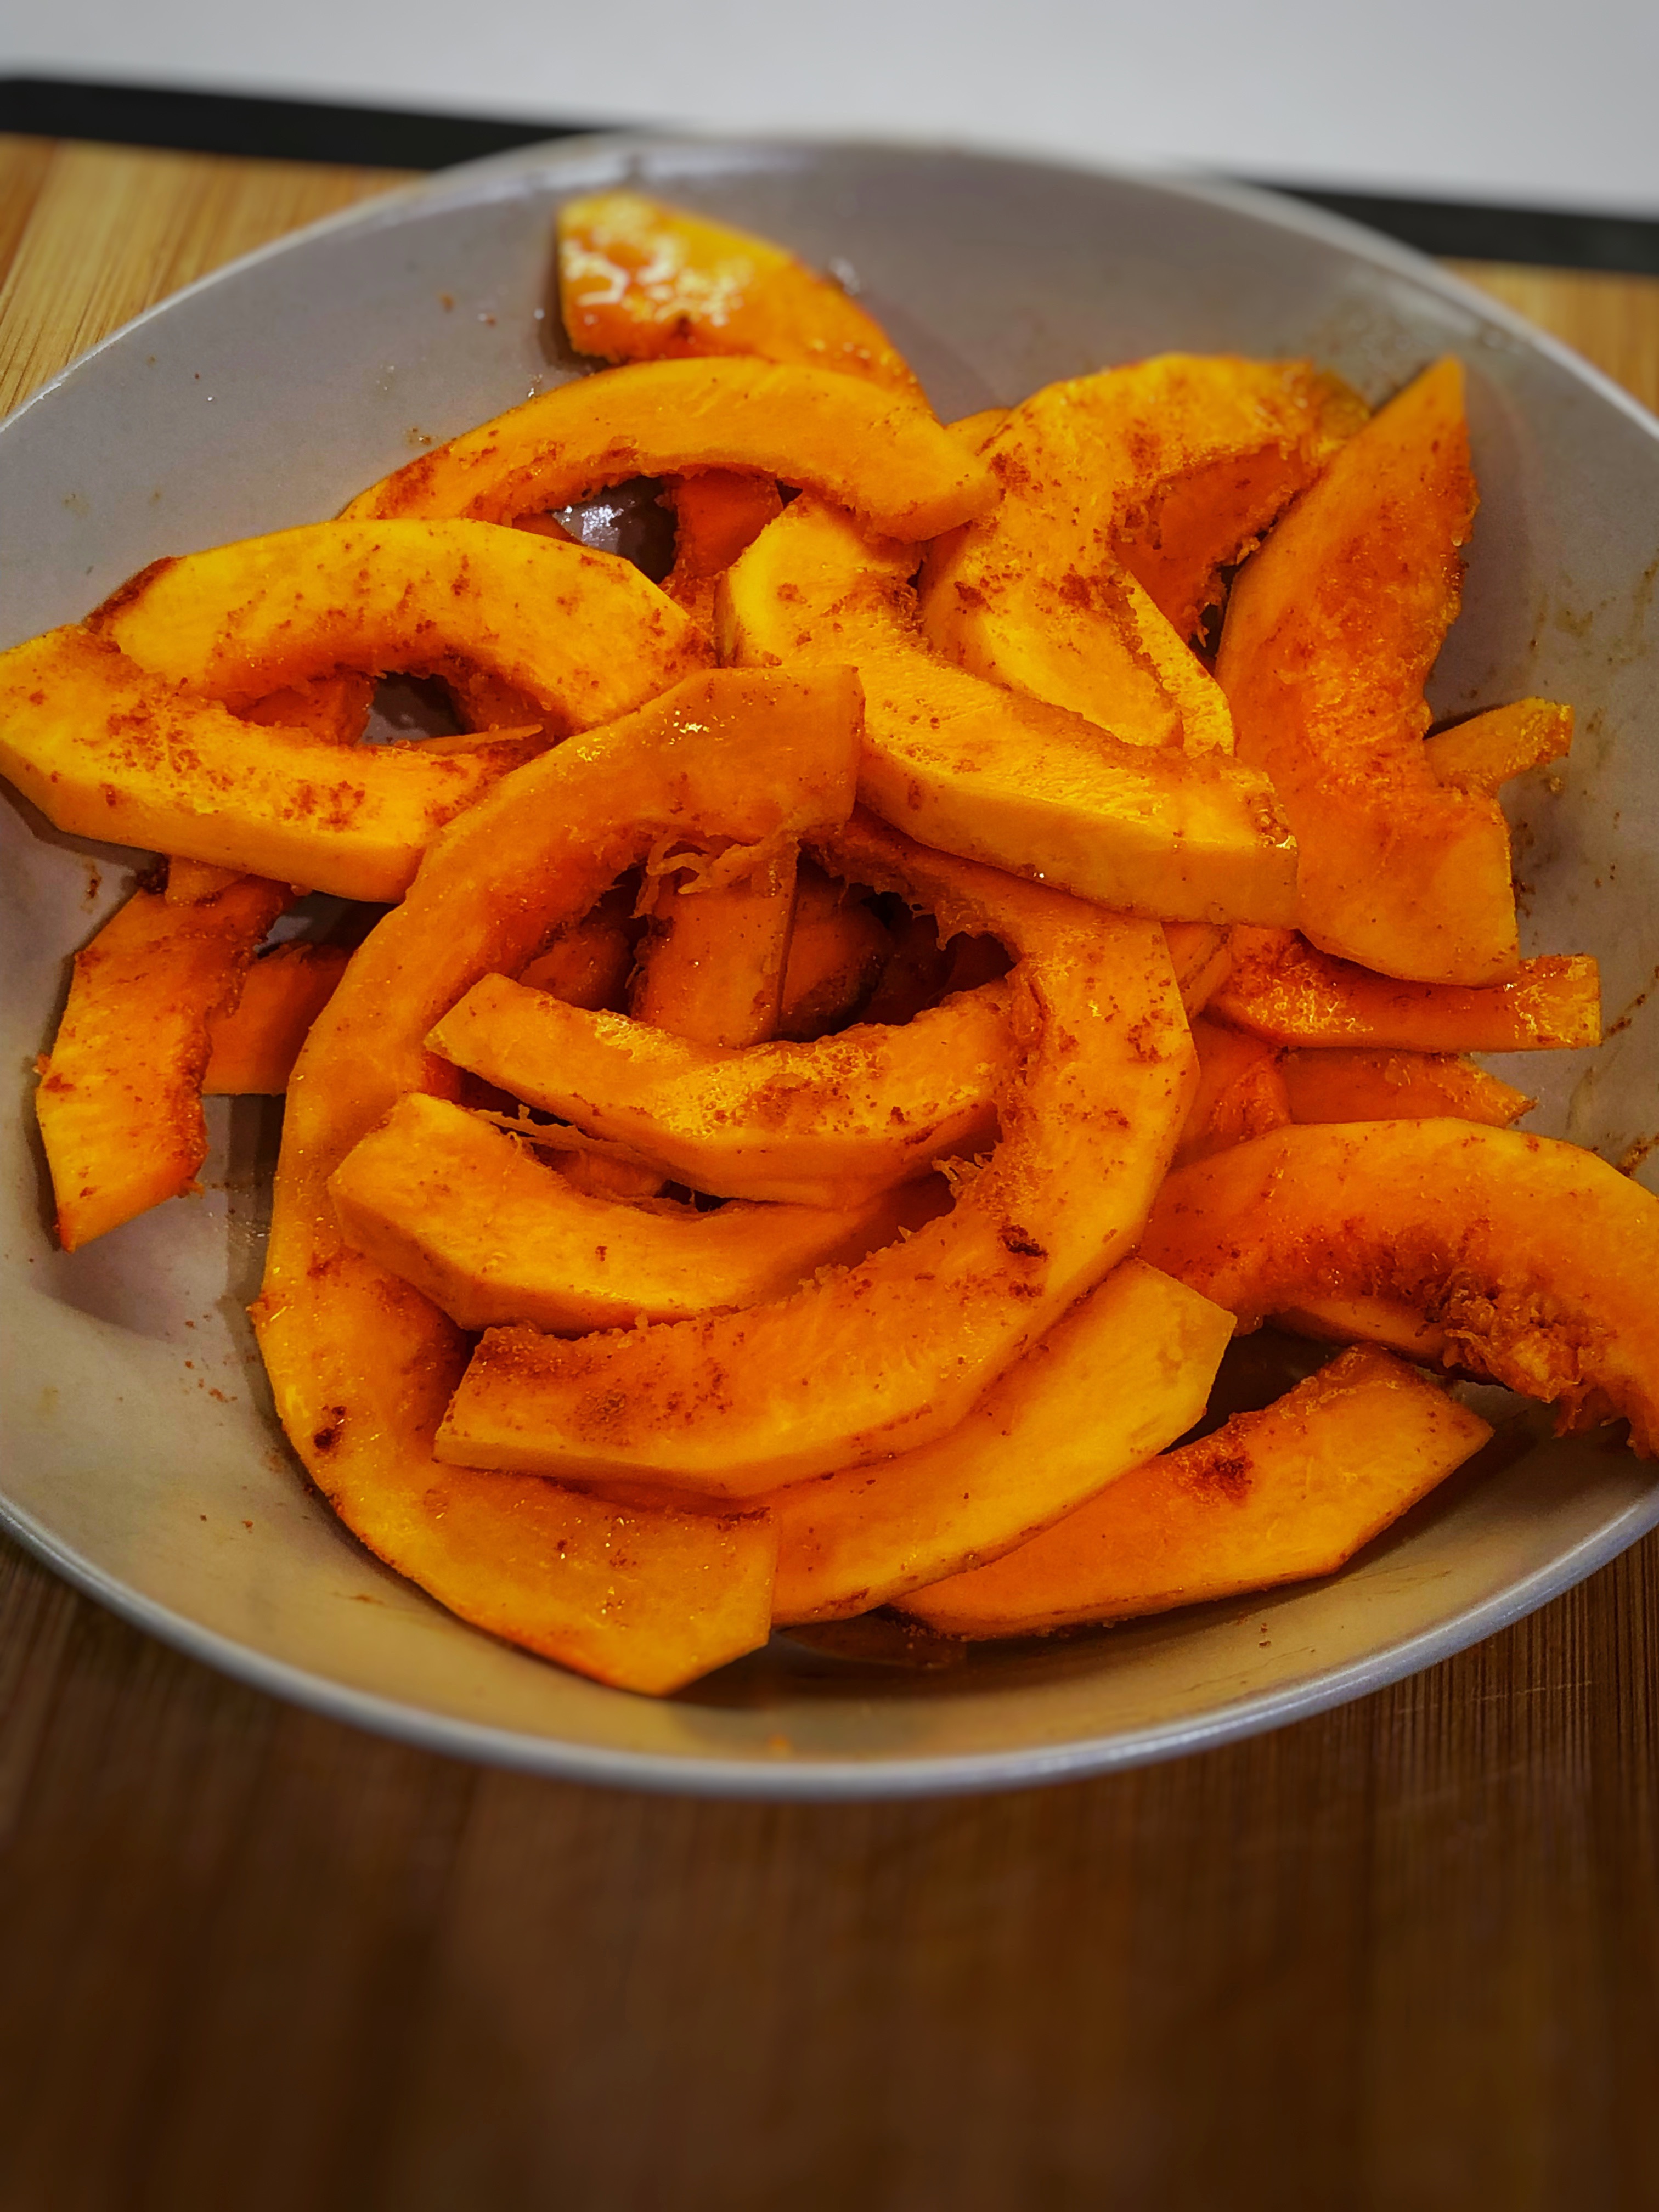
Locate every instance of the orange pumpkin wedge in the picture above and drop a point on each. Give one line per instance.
(894, 1351)
(1482, 754)
(818, 1124)
(106, 750)
(1182, 460)
(987, 774)
(119, 1102)
(1279, 987)
(584, 635)
(491, 1234)
(639, 282)
(1279, 1495)
(1121, 1374)
(710, 965)
(361, 1365)
(1240, 1092)
(1361, 1085)
(252, 1046)
(1516, 1257)
(1332, 628)
(884, 456)
(837, 950)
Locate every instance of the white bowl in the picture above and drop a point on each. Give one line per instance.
(143, 1460)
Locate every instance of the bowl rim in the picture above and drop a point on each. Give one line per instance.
(807, 1778)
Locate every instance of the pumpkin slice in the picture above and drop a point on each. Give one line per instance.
(1332, 628)
(884, 456)
(1516, 1257)
(253, 1045)
(982, 772)
(1280, 988)
(1241, 1092)
(1361, 1085)
(718, 513)
(1280, 1496)
(1482, 754)
(1171, 467)
(106, 750)
(837, 950)
(1203, 960)
(333, 707)
(894, 1351)
(1121, 1374)
(589, 960)
(119, 1102)
(361, 1365)
(638, 281)
(818, 1124)
(710, 966)
(491, 1234)
(582, 635)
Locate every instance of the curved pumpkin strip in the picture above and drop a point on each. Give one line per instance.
(361, 1366)
(1120, 1376)
(1482, 754)
(989, 773)
(1124, 494)
(491, 1234)
(1518, 1257)
(583, 635)
(106, 750)
(1274, 1497)
(1280, 988)
(1334, 1085)
(885, 458)
(894, 1351)
(638, 281)
(252, 1046)
(818, 1124)
(1331, 631)
(119, 1102)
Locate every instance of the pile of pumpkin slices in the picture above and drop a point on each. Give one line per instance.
(854, 1020)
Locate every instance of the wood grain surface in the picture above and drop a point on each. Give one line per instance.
(1403, 1956)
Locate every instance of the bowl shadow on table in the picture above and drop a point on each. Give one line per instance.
(883, 1653)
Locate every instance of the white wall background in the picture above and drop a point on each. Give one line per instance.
(1520, 100)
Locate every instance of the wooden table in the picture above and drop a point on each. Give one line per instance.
(1403, 1956)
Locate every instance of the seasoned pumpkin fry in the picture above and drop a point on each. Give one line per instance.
(1519, 1258)
(1275, 1496)
(253, 1045)
(119, 1102)
(818, 1124)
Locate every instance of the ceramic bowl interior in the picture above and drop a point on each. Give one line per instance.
(142, 1458)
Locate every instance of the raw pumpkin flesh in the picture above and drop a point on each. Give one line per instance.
(1331, 630)
(333, 707)
(710, 965)
(1516, 1257)
(818, 1124)
(837, 949)
(361, 1365)
(491, 1234)
(1482, 754)
(1121, 1374)
(717, 514)
(1280, 1496)
(883, 456)
(1125, 492)
(589, 961)
(893, 1353)
(638, 281)
(1280, 988)
(1240, 1094)
(583, 635)
(989, 774)
(1335, 1085)
(253, 1044)
(119, 1100)
(106, 750)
